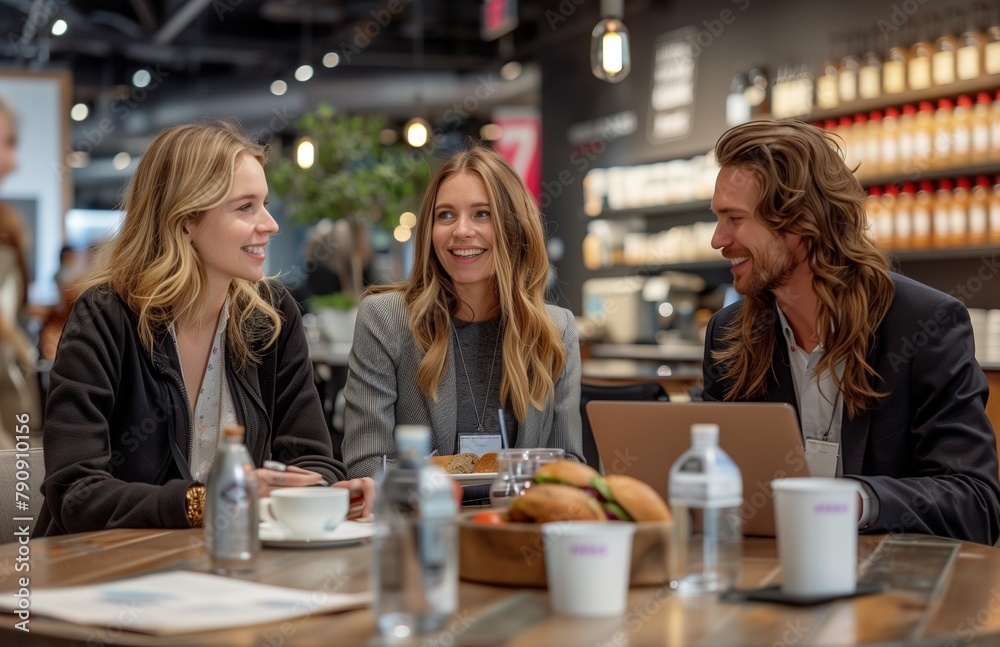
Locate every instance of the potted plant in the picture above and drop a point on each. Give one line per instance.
(356, 182)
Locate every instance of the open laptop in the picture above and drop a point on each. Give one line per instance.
(643, 439)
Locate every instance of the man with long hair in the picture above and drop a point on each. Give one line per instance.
(880, 368)
(469, 333)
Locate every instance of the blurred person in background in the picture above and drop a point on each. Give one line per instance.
(175, 336)
(72, 266)
(469, 333)
(18, 378)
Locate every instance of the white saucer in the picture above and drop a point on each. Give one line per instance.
(348, 532)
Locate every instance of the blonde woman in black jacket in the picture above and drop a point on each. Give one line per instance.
(176, 337)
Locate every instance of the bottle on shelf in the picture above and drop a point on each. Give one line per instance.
(890, 140)
(980, 129)
(906, 131)
(870, 72)
(923, 135)
(969, 59)
(873, 142)
(887, 230)
(737, 106)
(941, 234)
(902, 231)
(706, 492)
(859, 143)
(923, 205)
(894, 66)
(827, 93)
(847, 75)
(757, 91)
(991, 48)
(947, 44)
(960, 227)
(415, 569)
(943, 132)
(231, 514)
(961, 130)
(994, 212)
(979, 210)
(995, 125)
(875, 210)
(844, 130)
(918, 67)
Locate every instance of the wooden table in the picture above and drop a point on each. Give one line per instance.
(953, 601)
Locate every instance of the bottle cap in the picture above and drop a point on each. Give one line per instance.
(413, 439)
(234, 431)
(704, 434)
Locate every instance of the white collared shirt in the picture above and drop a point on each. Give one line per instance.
(821, 406)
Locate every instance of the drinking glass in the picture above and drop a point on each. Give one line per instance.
(515, 471)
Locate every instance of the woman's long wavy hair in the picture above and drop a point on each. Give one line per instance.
(533, 349)
(186, 171)
(806, 189)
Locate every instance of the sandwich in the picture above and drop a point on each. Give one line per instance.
(557, 489)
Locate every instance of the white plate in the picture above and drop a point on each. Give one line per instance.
(348, 532)
(483, 478)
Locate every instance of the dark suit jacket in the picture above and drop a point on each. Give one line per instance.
(926, 449)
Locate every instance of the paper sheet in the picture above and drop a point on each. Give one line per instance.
(182, 602)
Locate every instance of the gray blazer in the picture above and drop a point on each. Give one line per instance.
(382, 390)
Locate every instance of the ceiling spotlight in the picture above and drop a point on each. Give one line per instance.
(79, 112)
(331, 59)
(121, 161)
(303, 73)
(609, 45)
(59, 27)
(141, 78)
(511, 70)
(305, 153)
(278, 88)
(417, 132)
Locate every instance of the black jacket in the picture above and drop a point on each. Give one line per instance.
(112, 413)
(926, 449)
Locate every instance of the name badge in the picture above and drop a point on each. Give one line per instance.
(822, 456)
(478, 444)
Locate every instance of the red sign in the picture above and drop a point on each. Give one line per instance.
(499, 17)
(521, 144)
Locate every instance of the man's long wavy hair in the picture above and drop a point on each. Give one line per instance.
(806, 189)
(533, 349)
(186, 171)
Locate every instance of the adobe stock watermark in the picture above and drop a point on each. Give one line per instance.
(898, 17)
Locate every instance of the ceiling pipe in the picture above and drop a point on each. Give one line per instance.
(179, 21)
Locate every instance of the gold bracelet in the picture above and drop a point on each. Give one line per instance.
(194, 503)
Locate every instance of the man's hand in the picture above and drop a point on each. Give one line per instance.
(362, 496)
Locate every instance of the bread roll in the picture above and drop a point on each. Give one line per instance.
(440, 461)
(638, 499)
(568, 472)
(463, 463)
(544, 502)
(487, 463)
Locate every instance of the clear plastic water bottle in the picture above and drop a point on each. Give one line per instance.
(231, 513)
(706, 492)
(416, 541)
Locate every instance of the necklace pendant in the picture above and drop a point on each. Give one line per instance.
(480, 430)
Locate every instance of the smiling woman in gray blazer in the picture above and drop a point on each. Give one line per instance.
(468, 339)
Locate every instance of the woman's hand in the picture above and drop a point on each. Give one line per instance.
(362, 496)
(268, 480)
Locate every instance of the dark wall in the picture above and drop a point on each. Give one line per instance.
(771, 33)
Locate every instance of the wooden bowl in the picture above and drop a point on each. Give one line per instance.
(513, 554)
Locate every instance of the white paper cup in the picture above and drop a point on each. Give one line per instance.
(306, 512)
(587, 564)
(817, 528)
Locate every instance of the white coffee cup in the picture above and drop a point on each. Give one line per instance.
(587, 564)
(306, 512)
(817, 531)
